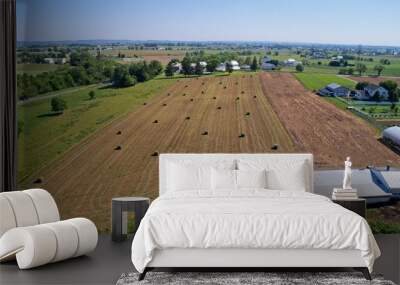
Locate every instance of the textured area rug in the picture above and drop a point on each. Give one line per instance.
(244, 278)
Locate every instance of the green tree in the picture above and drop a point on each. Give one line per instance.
(247, 60)
(198, 69)
(169, 69)
(186, 66)
(92, 95)
(228, 67)
(361, 85)
(254, 64)
(391, 87)
(299, 68)
(122, 78)
(360, 68)
(379, 68)
(212, 64)
(58, 104)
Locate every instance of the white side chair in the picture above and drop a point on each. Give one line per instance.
(32, 233)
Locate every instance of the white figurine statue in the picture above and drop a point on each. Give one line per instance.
(347, 174)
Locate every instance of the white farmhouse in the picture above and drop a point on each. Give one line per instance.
(291, 62)
(221, 67)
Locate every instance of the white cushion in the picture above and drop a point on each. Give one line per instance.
(23, 208)
(288, 174)
(7, 218)
(251, 178)
(223, 179)
(188, 177)
(46, 207)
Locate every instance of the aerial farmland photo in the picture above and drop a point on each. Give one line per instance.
(97, 106)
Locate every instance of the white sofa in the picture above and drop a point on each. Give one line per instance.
(31, 230)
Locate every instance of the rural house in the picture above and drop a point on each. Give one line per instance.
(234, 64)
(266, 64)
(335, 90)
(370, 92)
(291, 62)
(221, 67)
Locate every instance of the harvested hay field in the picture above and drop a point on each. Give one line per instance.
(374, 80)
(321, 128)
(122, 158)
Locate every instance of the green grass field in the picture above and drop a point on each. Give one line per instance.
(315, 81)
(34, 69)
(46, 136)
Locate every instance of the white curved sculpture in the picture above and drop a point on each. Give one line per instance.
(31, 230)
(347, 174)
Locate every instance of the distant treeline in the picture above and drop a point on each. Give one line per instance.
(85, 69)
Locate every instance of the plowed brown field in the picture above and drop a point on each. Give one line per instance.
(85, 179)
(374, 80)
(319, 127)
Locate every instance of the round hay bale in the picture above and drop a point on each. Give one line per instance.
(155, 122)
(202, 83)
(220, 82)
(191, 99)
(205, 133)
(242, 92)
(154, 153)
(144, 103)
(254, 96)
(214, 97)
(275, 146)
(168, 94)
(165, 104)
(119, 133)
(118, 147)
(224, 87)
(219, 107)
(187, 118)
(184, 94)
(237, 98)
(242, 135)
(247, 114)
(38, 180)
(202, 92)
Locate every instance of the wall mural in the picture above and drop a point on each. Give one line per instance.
(100, 97)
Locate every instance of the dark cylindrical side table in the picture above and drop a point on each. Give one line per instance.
(120, 208)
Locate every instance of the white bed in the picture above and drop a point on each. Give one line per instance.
(281, 224)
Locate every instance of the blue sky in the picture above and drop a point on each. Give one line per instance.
(319, 21)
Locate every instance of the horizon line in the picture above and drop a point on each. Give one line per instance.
(215, 41)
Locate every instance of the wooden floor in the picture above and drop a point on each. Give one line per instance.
(110, 260)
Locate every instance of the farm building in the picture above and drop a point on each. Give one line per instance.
(268, 66)
(53, 60)
(334, 89)
(291, 62)
(391, 136)
(177, 66)
(221, 67)
(245, 67)
(371, 91)
(234, 64)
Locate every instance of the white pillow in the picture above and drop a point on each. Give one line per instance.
(188, 177)
(223, 179)
(288, 174)
(251, 178)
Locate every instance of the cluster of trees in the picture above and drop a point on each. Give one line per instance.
(129, 75)
(390, 85)
(37, 55)
(385, 61)
(85, 69)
